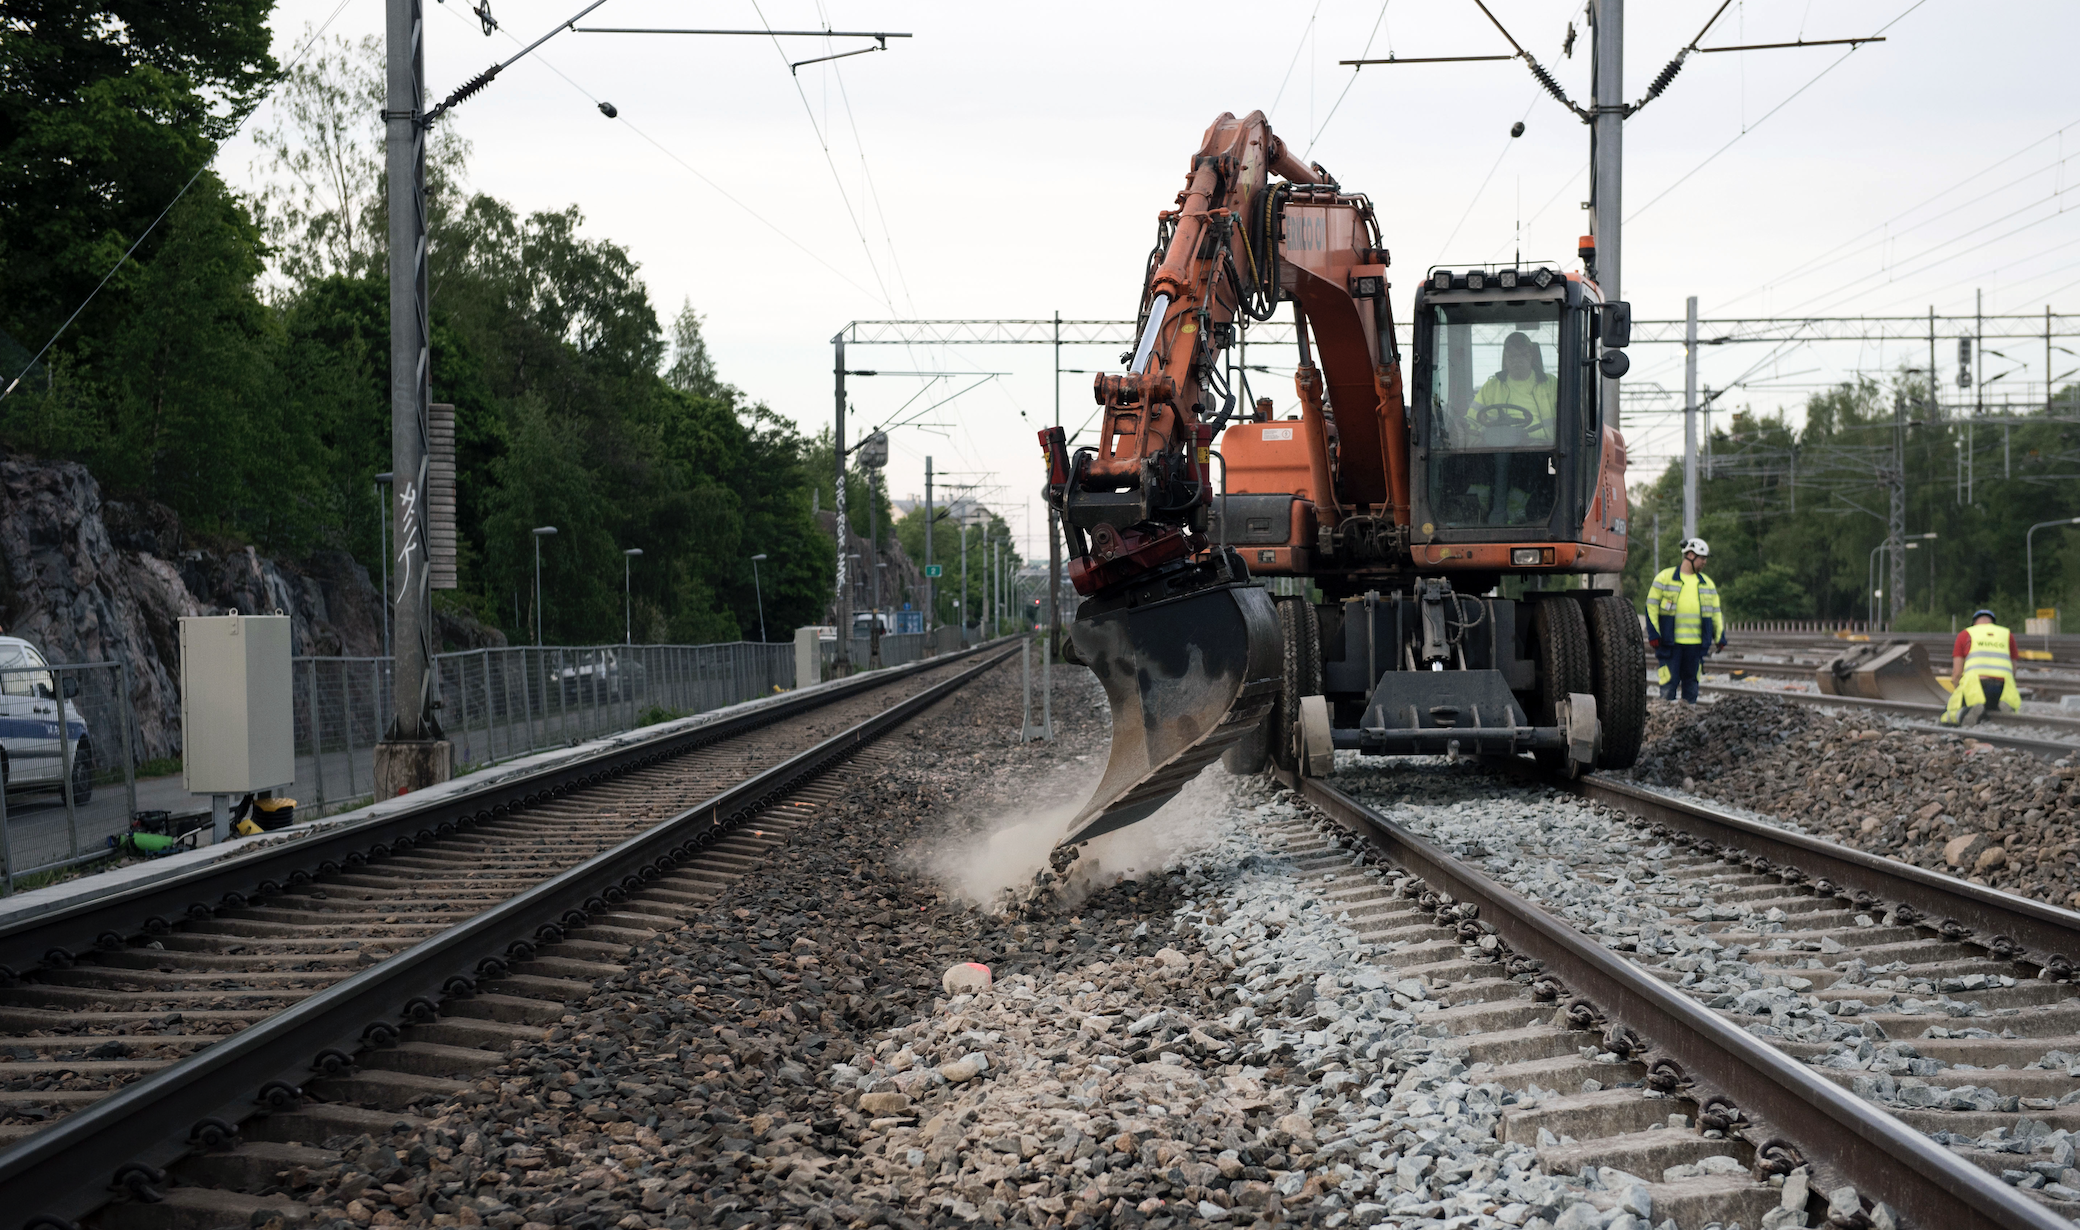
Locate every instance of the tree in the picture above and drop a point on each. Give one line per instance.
(1772, 592)
(692, 369)
(107, 107)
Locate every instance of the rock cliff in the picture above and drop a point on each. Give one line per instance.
(89, 579)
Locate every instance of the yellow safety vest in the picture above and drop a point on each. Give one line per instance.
(1689, 600)
(1540, 397)
(1988, 656)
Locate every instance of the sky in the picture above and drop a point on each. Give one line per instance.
(1007, 162)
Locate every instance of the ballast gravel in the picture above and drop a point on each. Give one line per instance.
(1995, 815)
(1205, 1043)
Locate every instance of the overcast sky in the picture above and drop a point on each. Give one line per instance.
(1009, 160)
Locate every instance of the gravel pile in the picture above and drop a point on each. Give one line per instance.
(1995, 815)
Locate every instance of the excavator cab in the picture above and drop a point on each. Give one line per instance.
(1506, 428)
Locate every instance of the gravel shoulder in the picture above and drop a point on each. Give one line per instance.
(1994, 815)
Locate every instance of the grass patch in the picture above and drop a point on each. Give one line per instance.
(160, 766)
(658, 713)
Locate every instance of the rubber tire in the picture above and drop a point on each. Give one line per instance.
(1561, 637)
(1300, 674)
(1247, 756)
(82, 773)
(1618, 665)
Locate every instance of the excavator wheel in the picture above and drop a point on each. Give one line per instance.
(1561, 636)
(1618, 665)
(1187, 677)
(1300, 675)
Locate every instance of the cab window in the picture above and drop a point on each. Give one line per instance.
(1493, 410)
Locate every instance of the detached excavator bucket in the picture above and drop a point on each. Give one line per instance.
(1895, 671)
(1187, 677)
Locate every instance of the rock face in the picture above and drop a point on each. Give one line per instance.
(94, 580)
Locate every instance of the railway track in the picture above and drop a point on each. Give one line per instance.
(323, 989)
(1772, 1004)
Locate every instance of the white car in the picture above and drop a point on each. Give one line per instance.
(30, 751)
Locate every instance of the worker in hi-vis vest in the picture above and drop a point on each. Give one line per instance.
(1683, 620)
(1982, 672)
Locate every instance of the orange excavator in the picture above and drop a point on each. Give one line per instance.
(1427, 537)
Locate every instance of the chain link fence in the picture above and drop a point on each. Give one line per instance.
(69, 787)
(500, 703)
(69, 781)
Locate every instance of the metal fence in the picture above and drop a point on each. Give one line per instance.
(897, 649)
(500, 703)
(70, 782)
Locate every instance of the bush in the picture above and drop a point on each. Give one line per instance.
(1771, 592)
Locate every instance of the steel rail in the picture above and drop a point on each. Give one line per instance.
(1876, 1152)
(53, 939)
(2048, 935)
(65, 1171)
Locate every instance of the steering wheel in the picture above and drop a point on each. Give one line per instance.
(1503, 414)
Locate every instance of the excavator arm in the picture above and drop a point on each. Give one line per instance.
(1188, 650)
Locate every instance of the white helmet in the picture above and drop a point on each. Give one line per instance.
(1697, 547)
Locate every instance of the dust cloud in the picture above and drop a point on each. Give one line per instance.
(998, 856)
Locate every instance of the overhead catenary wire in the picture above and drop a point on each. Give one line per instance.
(690, 169)
(1816, 79)
(866, 248)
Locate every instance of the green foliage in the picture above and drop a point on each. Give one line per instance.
(1771, 592)
(267, 418)
(1802, 511)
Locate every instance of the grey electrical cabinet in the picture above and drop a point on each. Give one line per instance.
(238, 721)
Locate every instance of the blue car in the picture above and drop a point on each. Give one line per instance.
(31, 756)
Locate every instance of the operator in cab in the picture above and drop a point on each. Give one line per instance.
(1518, 404)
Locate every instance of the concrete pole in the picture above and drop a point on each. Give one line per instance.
(843, 664)
(1896, 518)
(1054, 523)
(931, 591)
(1690, 420)
(1607, 144)
(411, 756)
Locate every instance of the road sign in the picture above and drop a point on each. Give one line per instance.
(935, 570)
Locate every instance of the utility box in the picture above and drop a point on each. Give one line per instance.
(238, 719)
(814, 647)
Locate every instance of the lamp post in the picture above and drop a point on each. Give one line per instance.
(628, 608)
(540, 532)
(383, 542)
(758, 593)
(2029, 554)
(1870, 577)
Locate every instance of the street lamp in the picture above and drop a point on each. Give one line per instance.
(540, 532)
(628, 609)
(759, 593)
(383, 542)
(1870, 575)
(2029, 554)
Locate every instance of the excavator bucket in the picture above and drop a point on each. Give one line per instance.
(1187, 677)
(1875, 671)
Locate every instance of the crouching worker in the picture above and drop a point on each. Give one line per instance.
(1982, 672)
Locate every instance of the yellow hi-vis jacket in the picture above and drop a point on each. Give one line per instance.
(1684, 610)
(1988, 657)
(1539, 397)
